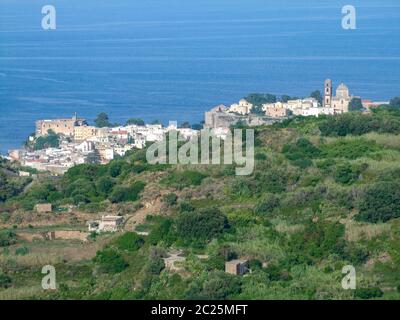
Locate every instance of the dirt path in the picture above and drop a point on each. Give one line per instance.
(151, 208)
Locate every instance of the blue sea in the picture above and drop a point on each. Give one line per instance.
(174, 59)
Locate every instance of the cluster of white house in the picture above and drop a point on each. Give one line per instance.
(332, 104)
(81, 143)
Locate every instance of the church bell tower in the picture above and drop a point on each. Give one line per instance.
(328, 93)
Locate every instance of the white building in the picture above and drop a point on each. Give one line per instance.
(106, 224)
(243, 107)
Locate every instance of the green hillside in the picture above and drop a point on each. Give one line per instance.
(325, 193)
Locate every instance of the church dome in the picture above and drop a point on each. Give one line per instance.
(342, 91)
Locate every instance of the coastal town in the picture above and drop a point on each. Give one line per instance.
(78, 142)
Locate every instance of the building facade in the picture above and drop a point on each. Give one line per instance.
(82, 133)
(340, 102)
(59, 126)
(243, 107)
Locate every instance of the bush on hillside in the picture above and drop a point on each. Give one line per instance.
(380, 202)
(109, 261)
(124, 194)
(130, 241)
(200, 226)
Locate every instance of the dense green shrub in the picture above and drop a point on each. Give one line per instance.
(51, 140)
(184, 179)
(274, 181)
(185, 206)
(116, 167)
(302, 149)
(104, 185)
(350, 149)
(358, 124)
(86, 171)
(7, 238)
(356, 253)
(170, 199)
(162, 231)
(10, 187)
(275, 272)
(258, 99)
(5, 281)
(130, 241)
(368, 293)
(395, 102)
(217, 286)
(380, 202)
(123, 194)
(21, 251)
(155, 265)
(267, 204)
(318, 240)
(109, 261)
(345, 174)
(255, 264)
(356, 104)
(200, 226)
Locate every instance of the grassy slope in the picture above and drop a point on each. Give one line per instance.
(297, 219)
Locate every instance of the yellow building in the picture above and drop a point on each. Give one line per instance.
(59, 126)
(82, 133)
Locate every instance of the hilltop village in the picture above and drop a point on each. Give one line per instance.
(316, 201)
(76, 142)
(253, 114)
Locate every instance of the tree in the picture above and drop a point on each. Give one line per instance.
(380, 202)
(317, 96)
(357, 124)
(109, 261)
(170, 199)
(318, 240)
(301, 152)
(130, 241)
(7, 238)
(258, 99)
(51, 140)
(368, 293)
(355, 105)
(201, 226)
(104, 185)
(163, 231)
(115, 168)
(155, 265)
(218, 286)
(185, 125)
(102, 120)
(197, 126)
(5, 281)
(345, 174)
(124, 194)
(395, 102)
(135, 121)
(286, 98)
